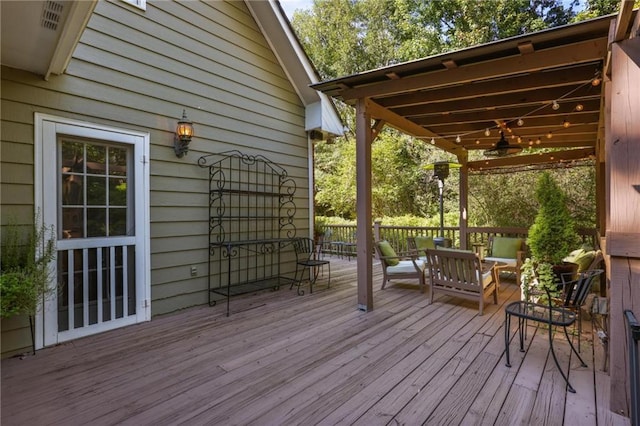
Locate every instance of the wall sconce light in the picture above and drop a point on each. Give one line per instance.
(184, 133)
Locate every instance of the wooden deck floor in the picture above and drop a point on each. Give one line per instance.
(283, 359)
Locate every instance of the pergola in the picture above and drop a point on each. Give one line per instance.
(574, 88)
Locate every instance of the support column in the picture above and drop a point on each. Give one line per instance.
(623, 227)
(464, 199)
(364, 137)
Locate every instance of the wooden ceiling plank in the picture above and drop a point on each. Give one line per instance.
(533, 159)
(576, 53)
(529, 122)
(504, 114)
(533, 97)
(557, 78)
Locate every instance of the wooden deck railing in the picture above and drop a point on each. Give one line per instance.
(397, 235)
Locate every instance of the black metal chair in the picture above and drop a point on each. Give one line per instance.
(574, 296)
(307, 259)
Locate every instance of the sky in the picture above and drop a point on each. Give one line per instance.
(290, 6)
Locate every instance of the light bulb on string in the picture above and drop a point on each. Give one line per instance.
(433, 141)
(520, 122)
(458, 139)
(579, 107)
(555, 105)
(487, 132)
(549, 135)
(538, 141)
(566, 124)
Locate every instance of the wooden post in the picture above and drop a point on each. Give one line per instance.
(464, 199)
(364, 137)
(623, 227)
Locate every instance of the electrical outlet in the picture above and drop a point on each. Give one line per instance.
(194, 271)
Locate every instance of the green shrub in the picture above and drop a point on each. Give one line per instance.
(552, 235)
(24, 267)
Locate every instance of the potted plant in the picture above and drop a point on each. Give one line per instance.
(318, 230)
(552, 235)
(27, 252)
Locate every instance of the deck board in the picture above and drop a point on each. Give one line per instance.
(280, 358)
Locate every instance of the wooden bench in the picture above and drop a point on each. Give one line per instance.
(459, 273)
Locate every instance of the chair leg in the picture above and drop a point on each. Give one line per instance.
(522, 329)
(555, 358)
(507, 326)
(573, 348)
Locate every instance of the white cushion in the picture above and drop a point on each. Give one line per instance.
(509, 262)
(487, 277)
(404, 267)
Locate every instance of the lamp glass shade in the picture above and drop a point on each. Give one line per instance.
(185, 128)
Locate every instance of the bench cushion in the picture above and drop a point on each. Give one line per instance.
(512, 263)
(404, 267)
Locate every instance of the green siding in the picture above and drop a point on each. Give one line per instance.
(138, 70)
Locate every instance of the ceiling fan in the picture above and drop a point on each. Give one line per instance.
(502, 148)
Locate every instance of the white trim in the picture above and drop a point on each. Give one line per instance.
(46, 128)
(74, 26)
(140, 4)
(312, 184)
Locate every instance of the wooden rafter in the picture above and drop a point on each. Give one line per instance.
(534, 159)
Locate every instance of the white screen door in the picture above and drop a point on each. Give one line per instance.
(94, 191)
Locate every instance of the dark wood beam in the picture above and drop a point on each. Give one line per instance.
(557, 78)
(406, 126)
(572, 54)
(507, 114)
(538, 123)
(525, 160)
(531, 97)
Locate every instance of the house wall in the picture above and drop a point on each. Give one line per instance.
(138, 69)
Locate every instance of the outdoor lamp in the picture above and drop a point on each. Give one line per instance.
(184, 133)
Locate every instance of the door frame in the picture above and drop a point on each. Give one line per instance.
(46, 129)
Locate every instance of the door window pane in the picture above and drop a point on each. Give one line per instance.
(94, 189)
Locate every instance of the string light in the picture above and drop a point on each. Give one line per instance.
(566, 124)
(477, 141)
(579, 107)
(458, 139)
(487, 132)
(549, 135)
(520, 122)
(555, 105)
(538, 141)
(433, 141)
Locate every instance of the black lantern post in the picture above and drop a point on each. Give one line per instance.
(441, 172)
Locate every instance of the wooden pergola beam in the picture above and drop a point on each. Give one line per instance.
(572, 54)
(406, 126)
(534, 159)
(531, 97)
(589, 106)
(558, 78)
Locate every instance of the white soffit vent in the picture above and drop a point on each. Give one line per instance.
(51, 13)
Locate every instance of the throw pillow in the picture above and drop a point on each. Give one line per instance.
(387, 250)
(424, 242)
(506, 247)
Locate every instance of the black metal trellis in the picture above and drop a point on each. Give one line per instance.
(251, 221)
